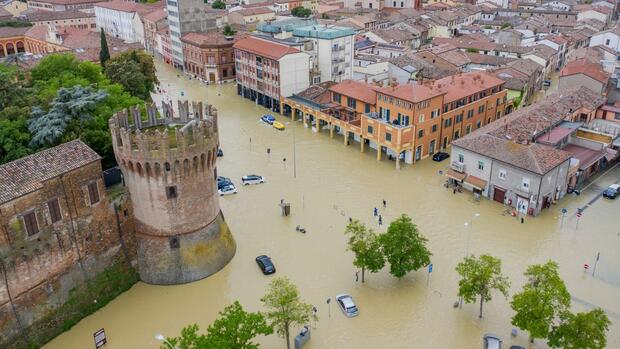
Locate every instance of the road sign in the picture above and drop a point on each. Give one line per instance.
(578, 214)
(586, 266)
(100, 339)
(430, 268)
(564, 211)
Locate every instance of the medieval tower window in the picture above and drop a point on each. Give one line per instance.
(30, 222)
(93, 193)
(54, 209)
(171, 192)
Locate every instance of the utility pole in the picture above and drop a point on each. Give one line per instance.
(598, 256)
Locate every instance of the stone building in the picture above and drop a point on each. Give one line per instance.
(210, 56)
(58, 232)
(169, 168)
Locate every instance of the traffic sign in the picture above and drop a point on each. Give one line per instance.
(100, 338)
(564, 211)
(578, 214)
(430, 268)
(586, 266)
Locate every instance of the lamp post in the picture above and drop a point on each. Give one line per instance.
(160, 337)
(467, 225)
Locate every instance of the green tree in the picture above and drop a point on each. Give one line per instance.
(218, 5)
(234, 329)
(135, 71)
(586, 330)
(366, 246)
(404, 247)
(14, 139)
(480, 276)
(543, 298)
(104, 51)
(301, 11)
(506, 25)
(285, 307)
(69, 111)
(228, 30)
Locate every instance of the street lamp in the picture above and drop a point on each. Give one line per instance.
(160, 337)
(294, 152)
(467, 225)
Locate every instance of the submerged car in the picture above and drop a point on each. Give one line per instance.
(492, 341)
(347, 305)
(220, 153)
(440, 156)
(268, 118)
(252, 179)
(278, 125)
(223, 181)
(612, 191)
(265, 264)
(227, 189)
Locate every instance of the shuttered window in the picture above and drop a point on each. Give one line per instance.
(93, 193)
(30, 221)
(54, 209)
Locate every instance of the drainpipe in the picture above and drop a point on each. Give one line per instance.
(490, 176)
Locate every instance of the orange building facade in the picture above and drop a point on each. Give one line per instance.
(406, 122)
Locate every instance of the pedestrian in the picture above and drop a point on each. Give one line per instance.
(268, 151)
(380, 220)
(351, 221)
(384, 203)
(454, 190)
(376, 212)
(357, 276)
(314, 310)
(284, 160)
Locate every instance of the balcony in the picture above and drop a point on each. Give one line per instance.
(457, 166)
(375, 116)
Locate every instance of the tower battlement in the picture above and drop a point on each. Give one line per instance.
(169, 167)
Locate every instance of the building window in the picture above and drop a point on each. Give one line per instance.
(456, 135)
(607, 42)
(458, 119)
(366, 108)
(525, 184)
(171, 192)
(54, 210)
(404, 120)
(421, 118)
(434, 129)
(93, 193)
(461, 158)
(481, 165)
(30, 222)
(388, 137)
(470, 114)
(478, 124)
(448, 122)
(351, 102)
(502, 174)
(467, 129)
(337, 97)
(370, 129)
(420, 133)
(481, 109)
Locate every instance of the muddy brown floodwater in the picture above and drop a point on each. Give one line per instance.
(335, 182)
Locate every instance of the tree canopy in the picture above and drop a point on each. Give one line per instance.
(301, 11)
(104, 52)
(585, 330)
(364, 243)
(285, 307)
(404, 247)
(479, 276)
(218, 5)
(234, 329)
(135, 71)
(543, 298)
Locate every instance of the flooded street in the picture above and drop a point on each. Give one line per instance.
(334, 182)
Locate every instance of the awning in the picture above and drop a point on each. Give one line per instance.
(476, 182)
(458, 176)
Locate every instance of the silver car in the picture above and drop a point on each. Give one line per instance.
(252, 179)
(346, 304)
(492, 341)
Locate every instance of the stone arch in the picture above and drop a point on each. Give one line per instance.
(167, 167)
(157, 170)
(149, 172)
(20, 46)
(209, 159)
(139, 169)
(130, 166)
(2, 51)
(177, 168)
(203, 160)
(195, 164)
(214, 156)
(10, 48)
(186, 168)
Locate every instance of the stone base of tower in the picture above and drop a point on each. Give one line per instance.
(171, 260)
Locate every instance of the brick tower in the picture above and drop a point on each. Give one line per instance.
(169, 168)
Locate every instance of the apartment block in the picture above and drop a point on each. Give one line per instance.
(187, 16)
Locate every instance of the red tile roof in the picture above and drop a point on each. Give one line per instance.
(411, 92)
(264, 48)
(359, 90)
(462, 85)
(208, 39)
(126, 6)
(585, 67)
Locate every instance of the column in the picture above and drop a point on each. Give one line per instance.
(346, 137)
(361, 144)
(379, 152)
(318, 125)
(331, 130)
(398, 161)
(282, 108)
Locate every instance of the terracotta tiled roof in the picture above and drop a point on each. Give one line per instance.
(359, 90)
(128, 6)
(460, 86)
(8, 32)
(208, 39)
(583, 66)
(510, 138)
(38, 16)
(156, 16)
(410, 92)
(318, 93)
(28, 174)
(38, 32)
(264, 48)
(254, 11)
(70, 2)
